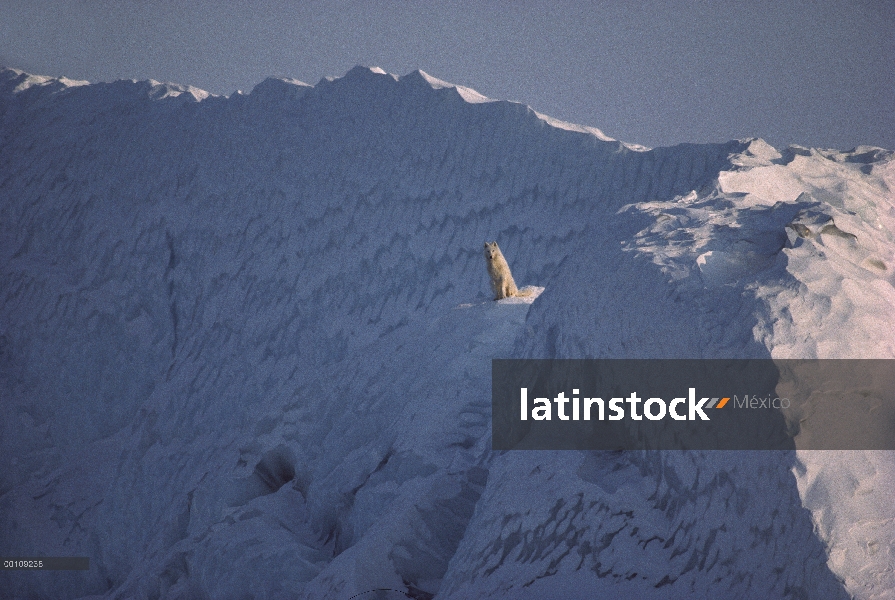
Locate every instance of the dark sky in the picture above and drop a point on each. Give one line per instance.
(816, 73)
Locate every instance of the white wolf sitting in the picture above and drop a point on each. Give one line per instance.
(501, 279)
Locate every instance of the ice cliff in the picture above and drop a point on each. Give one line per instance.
(245, 345)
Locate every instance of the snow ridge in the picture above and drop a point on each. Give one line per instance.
(245, 344)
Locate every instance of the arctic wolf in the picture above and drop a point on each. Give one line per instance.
(501, 279)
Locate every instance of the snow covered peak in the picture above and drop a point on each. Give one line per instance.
(366, 82)
(756, 152)
(585, 129)
(431, 81)
(16, 81)
(468, 94)
(160, 91)
(280, 88)
(361, 73)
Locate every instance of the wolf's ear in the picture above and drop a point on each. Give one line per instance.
(486, 244)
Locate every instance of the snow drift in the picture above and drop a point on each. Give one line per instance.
(245, 345)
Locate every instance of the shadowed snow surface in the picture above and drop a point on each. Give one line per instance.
(245, 345)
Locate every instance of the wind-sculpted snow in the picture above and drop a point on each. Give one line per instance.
(245, 345)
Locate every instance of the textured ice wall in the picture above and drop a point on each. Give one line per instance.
(246, 344)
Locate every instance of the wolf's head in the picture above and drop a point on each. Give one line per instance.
(492, 252)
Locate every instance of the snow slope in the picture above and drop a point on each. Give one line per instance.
(245, 345)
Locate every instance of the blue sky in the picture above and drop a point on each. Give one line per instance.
(816, 73)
